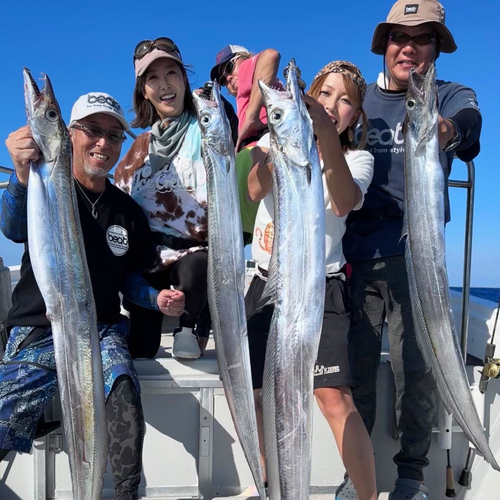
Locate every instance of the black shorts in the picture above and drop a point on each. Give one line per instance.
(333, 367)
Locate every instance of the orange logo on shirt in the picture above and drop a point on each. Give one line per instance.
(266, 239)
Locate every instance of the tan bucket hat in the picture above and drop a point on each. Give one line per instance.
(413, 13)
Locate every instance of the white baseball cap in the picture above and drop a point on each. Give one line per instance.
(98, 102)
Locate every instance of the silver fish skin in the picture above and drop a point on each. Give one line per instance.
(59, 263)
(426, 260)
(226, 275)
(296, 286)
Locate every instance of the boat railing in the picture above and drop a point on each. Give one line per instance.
(469, 185)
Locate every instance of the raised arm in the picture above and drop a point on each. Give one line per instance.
(266, 69)
(344, 193)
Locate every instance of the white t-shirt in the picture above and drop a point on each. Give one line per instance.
(360, 164)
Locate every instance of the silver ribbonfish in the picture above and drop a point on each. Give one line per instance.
(425, 259)
(60, 266)
(226, 275)
(296, 286)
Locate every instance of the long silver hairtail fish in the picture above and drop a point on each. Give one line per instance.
(425, 259)
(226, 275)
(296, 286)
(59, 263)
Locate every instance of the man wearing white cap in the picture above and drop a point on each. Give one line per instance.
(412, 37)
(118, 246)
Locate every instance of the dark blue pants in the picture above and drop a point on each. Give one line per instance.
(28, 381)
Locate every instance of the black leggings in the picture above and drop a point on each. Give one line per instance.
(125, 436)
(189, 274)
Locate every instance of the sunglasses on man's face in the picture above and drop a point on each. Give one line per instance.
(162, 43)
(401, 38)
(226, 71)
(95, 132)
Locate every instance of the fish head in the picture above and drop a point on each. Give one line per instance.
(421, 99)
(288, 119)
(295, 85)
(212, 120)
(44, 117)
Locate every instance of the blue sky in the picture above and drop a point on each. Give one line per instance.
(88, 46)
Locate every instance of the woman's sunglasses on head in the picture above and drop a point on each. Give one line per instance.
(162, 43)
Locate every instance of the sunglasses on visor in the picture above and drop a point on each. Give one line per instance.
(401, 38)
(163, 43)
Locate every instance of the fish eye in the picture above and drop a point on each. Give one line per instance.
(276, 115)
(410, 104)
(205, 120)
(51, 115)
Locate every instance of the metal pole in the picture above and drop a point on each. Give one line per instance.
(466, 476)
(469, 216)
(6, 170)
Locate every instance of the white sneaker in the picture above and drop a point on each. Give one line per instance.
(185, 344)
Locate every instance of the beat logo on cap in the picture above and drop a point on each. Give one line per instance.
(104, 100)
(98, 102)
(411, 8)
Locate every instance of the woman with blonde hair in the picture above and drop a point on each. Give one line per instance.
(335, 105)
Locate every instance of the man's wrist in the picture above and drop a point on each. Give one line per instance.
(456, 136)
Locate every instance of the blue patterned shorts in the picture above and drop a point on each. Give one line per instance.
(28, 379)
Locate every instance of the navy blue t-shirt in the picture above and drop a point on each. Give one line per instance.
(375, 230)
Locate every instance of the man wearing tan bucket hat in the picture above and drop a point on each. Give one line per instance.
(412, 37)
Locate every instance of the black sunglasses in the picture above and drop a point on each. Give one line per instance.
(162, 43)
(96, 132)
(403, 38)
(226, 71)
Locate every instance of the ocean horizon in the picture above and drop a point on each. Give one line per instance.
(492, 294)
